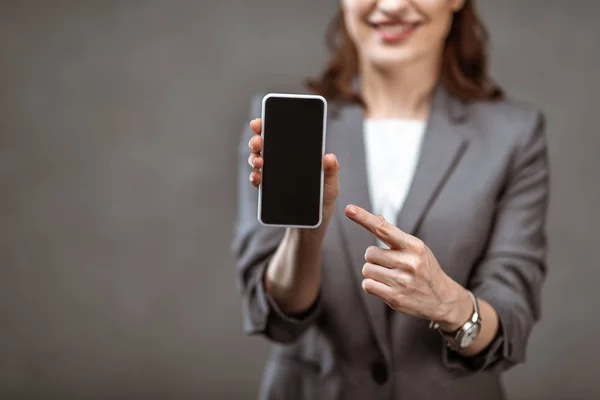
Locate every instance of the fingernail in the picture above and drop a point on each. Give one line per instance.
(351, 210)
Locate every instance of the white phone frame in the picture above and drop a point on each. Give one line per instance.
(296, 96)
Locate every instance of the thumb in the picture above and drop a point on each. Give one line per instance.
(331, 166)
(331, 186)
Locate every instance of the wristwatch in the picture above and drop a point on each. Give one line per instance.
(466, 334)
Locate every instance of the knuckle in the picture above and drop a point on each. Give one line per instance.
(382, 225)
(418, 263)
(370, 252)
(397, 260)
(413, 264)
(410, 283)
(419, 247)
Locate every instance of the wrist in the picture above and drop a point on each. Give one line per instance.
(305, 237)
(458, 311)
(310, 236)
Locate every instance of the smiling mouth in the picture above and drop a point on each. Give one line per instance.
(394, 31)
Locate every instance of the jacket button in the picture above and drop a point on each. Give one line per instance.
(379, 372)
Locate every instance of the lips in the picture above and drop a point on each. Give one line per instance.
(394, 31)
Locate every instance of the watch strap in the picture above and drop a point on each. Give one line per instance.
(453, 338)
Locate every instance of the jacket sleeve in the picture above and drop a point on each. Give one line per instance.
(253, 247)
(511, 274)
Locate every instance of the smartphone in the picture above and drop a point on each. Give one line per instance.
(293, 131)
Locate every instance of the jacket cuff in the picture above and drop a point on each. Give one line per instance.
(266, 317)
(500, 352)
(480, 362)
(510, 309)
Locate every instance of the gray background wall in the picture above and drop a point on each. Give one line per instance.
(119, 122)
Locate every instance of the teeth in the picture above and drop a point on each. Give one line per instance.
(393, 29)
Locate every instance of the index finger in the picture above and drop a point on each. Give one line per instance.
(378, 226)
(256, 125)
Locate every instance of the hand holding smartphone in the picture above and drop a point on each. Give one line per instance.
(293, 132)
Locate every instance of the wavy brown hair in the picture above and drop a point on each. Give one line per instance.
(464, 67)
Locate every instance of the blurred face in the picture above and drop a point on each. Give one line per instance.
(389, 33)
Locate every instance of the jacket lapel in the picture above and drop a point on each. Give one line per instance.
(441, 150)
(348, 145)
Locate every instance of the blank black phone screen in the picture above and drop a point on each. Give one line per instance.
(293, 130)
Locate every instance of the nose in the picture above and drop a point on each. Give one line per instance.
(392, 6)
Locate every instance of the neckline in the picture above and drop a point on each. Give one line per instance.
(396, 120)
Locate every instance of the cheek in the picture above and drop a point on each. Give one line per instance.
(357, 4)
(353, 16)
(439, 14)
(354, 8)
(356, 11)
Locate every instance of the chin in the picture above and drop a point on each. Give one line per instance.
(389, 59)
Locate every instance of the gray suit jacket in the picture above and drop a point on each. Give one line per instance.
(478, 200)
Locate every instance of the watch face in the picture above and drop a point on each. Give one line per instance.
(470, 335)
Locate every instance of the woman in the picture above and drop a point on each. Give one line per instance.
(423, 281)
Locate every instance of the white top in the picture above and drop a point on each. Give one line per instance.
(392, 148)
